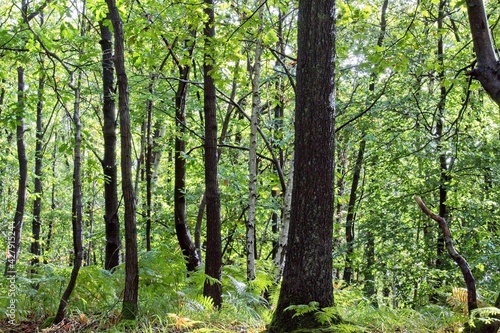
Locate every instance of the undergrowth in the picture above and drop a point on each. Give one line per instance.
(172, 301)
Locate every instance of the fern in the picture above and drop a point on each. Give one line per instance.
(302, 309)
(327, 315)
(486, 315)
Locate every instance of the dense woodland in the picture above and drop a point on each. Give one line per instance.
(148, 152)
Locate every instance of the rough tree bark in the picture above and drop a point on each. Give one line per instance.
(130, 305)
(307, 276)
(213, 261)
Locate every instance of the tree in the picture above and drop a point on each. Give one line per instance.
(193, 260)
(108, 162)
(15, 237)
(130, 305)
(76, 207)
(213, 260)
(252, 158)
(486, 67)
(37, 203)
(307, 276)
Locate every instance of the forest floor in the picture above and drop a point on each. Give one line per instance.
(85, 326)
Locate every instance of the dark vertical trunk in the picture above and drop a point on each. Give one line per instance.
(469, 280)
(193, 259)
(37, 204)
(14, 239)
(149, 163)
(48, 239)
(307, 275)
(351, 213)
(199, 224)
(278, 130)
(130, 306)
(111, 221)
(213, 261)
(76, 210)
(444, 173)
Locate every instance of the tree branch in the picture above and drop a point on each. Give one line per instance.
(461, 262)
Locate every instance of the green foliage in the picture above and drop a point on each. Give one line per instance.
(486, 315)
(397, 118)
(301, 309)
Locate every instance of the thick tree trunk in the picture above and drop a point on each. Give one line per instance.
(14, 239)
(213, 261)
(130, 305)
(76, 211)
(111, 221)
(307, 276)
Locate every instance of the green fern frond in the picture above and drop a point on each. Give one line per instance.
(303, 308)
(486, 315)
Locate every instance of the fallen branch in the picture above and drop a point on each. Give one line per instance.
(470, 282)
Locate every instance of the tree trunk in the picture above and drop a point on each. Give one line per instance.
(349, 225)
(444, 169)
(277, 137)
(14, 239)
(469, 280)
(111, 221)
(76, 210)
(213, 261)
(279, 260)
(486, 70)
(130, 306)
(307, 276)
(193, 259)
(48, 239)
(37, 204)
(149, 162)
(255, 70)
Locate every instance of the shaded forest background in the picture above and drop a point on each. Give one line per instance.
(410, 121)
